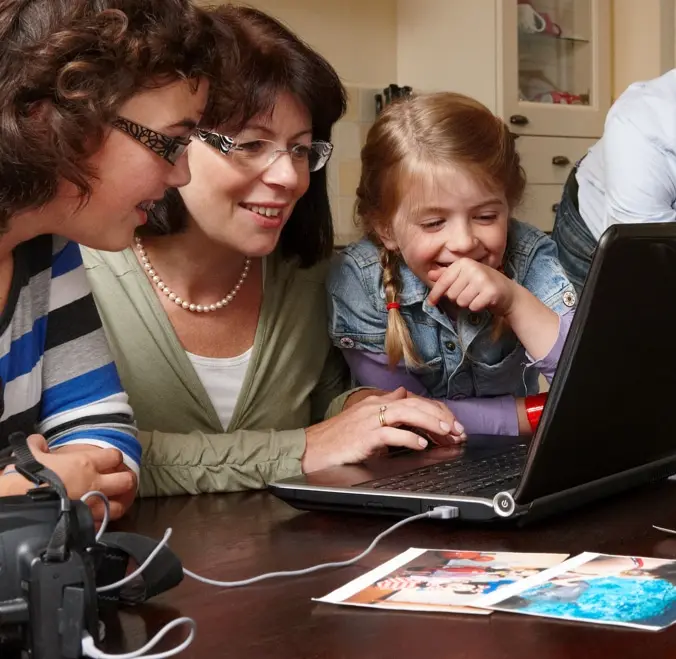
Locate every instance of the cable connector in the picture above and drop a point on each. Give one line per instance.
(445, 512)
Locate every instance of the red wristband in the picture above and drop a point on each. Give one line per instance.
(393, 305)
(534, 406)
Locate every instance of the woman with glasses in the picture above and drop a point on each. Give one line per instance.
(217, 314)
(99, 99)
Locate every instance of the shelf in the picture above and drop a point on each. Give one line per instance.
(541, 36)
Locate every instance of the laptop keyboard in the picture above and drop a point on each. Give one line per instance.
(460, 476)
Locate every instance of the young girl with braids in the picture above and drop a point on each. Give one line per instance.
(447, 295)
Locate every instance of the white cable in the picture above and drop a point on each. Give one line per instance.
(90, 649)
(106, 514)
(442, 512)
(665, 530)
(445, 512)
(140, 568)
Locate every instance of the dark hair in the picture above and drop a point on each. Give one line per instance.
(66, 66)
(275, 60)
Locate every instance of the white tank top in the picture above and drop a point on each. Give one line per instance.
(222, 378)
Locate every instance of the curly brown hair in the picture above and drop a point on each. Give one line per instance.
(66, 66)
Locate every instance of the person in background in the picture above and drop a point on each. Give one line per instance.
(447, 295)
(627, 177)
(216, 314)
(98, 100)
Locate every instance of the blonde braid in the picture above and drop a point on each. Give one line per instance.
(398, 342)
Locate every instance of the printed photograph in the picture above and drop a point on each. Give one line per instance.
(441, 579)
(615, 590)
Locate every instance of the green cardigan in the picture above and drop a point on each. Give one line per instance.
(295, 378)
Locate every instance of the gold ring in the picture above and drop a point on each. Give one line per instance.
(381, 415)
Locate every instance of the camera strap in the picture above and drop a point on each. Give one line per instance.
(115, 549)
(162, 573)
(30, 468)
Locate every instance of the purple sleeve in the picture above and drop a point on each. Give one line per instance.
(547, 365)
(484, 416)
(371, 369)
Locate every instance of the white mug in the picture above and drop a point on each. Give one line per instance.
(529, 20)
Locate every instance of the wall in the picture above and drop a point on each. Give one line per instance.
(428, 29)
(358, 37)
(643, 41)
(344, 167)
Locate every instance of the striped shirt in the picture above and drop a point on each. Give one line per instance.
(58, 376)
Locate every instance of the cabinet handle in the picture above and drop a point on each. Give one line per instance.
(518, 120)
(555, 208)
(560, 161)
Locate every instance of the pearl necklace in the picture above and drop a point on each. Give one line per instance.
(188, 306)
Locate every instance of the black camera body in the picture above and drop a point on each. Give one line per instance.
(51, 564)
(45, 604)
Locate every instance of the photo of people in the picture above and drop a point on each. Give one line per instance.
(448, 580)
(616, 590)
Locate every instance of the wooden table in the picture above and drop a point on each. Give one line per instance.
(235, 536)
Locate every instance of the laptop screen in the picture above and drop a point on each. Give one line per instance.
(612, 404)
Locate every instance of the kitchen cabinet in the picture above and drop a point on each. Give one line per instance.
(548, 160)
(543, 66)
(553, 66)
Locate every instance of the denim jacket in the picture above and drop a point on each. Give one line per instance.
(461, 359)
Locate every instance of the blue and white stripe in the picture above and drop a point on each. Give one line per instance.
(57, 373)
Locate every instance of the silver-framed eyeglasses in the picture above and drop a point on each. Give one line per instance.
(259, 154)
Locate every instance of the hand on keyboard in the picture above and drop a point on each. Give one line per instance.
(372, 424)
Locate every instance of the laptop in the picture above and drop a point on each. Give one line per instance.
(609, 423)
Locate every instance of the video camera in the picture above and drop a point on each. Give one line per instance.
(57, 592)
(51, 564)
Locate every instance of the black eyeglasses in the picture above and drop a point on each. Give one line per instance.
(259, 154)
(169, 148)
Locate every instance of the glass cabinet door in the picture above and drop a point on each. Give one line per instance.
(555, 51)
(556, 66)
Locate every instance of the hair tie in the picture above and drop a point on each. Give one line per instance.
(393, 305)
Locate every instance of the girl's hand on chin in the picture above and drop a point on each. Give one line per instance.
(474, 286)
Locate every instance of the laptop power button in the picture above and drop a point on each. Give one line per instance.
(503, 504)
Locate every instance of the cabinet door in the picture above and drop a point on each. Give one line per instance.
(554, 66)
(539, 206)
(550, 159)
